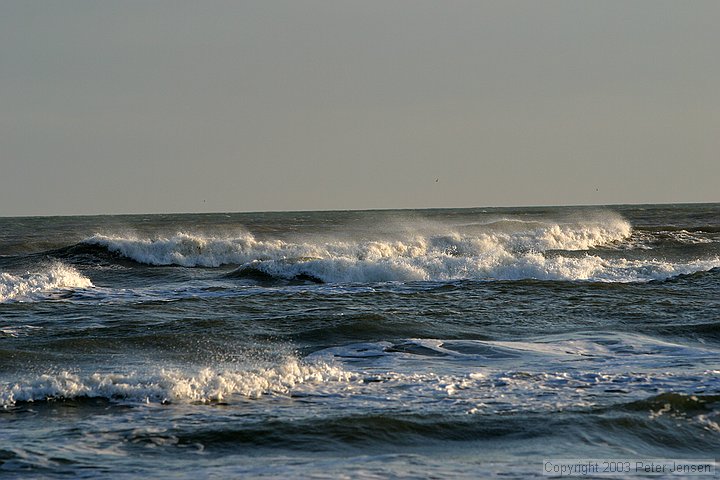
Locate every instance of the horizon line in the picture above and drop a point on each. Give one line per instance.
(384, 209)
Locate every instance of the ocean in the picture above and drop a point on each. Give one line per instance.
(449, 343)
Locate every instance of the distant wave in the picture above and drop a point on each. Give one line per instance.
(504, 251)
(57, 276)
(190, 250)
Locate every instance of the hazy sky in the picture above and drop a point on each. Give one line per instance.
(185, 106)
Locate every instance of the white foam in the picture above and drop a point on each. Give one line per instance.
(499, 265)
(526, 250)
(556, 372)
(191, 250)
(187, 250)
(57, 276)
(201, 385)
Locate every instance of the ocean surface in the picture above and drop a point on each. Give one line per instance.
(456, 343)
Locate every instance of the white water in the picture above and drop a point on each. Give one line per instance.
(56, 276)
(498, 251)
(173, 385)
(471, 375)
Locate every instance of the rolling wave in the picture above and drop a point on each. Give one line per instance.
(503, 266)
(190, 250)
(523, 250)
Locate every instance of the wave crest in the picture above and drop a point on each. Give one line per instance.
(499, 251)
(57, 276)
(190, 250)
(205, 385)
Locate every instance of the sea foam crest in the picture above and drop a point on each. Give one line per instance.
(208, 251)
(203, 385)
(503, 251)
(57, 276)
(189, 250)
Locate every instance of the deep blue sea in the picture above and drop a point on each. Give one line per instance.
(455, 343)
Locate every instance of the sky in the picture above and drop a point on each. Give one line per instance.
(142, 106)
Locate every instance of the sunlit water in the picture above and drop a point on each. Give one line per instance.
(446, 343)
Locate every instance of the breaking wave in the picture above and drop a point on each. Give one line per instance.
(167, 386)
(502, 266)
(57, 276)
(189, 250)
(498, 251)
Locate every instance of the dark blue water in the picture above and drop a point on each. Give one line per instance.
(446, 343)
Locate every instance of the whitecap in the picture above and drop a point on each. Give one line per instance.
(29, 286)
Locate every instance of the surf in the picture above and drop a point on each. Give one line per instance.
(172, 385)
(504, 249)
(31, 285)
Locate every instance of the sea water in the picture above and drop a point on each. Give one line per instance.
(366, 344)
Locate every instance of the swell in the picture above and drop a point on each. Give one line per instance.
(373, 430)
(705, 332)
(677, 404)
(89, 253)
(669, 421)
(256, 273)
(689, 431)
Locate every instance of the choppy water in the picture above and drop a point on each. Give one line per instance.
(463, 343)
